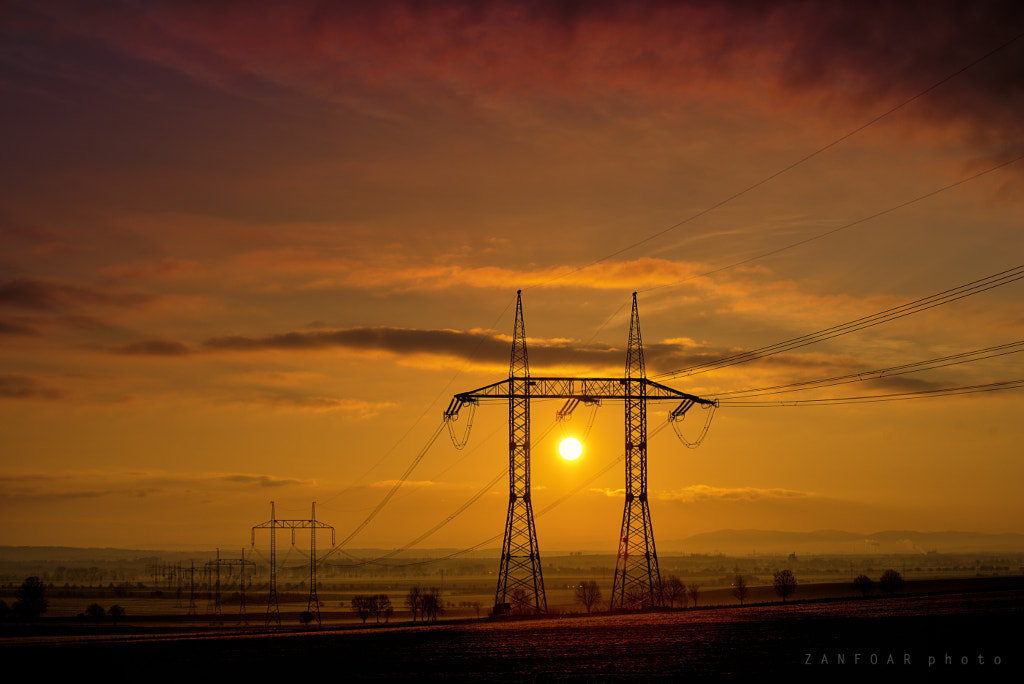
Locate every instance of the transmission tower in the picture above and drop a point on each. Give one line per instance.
(213, 567)
(191, 610)
(229, 563)
(637, 580)
(519, 579)
(313, 606)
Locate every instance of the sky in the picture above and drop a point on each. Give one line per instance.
(250, 250)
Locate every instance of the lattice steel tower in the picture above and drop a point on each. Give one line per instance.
(519, 580)
(274, 524)
(637, 581)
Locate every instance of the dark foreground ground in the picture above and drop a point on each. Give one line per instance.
(954, 637)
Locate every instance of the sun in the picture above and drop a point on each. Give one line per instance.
(570, 448)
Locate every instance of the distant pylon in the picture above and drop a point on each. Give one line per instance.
(313, 605)
(311, 524)
(273, 610)
(520, 581)
(242, 616)
(191, 610)
(637, 582)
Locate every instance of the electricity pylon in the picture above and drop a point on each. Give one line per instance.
(313, 605)
(229, 563)
(520, 580)
(637, 579)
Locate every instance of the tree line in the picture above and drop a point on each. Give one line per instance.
(427, 604)
(30, 602)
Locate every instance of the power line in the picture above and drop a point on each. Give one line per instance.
(832, 231)
(807, 158)
(918, 305)
(394, 446)
(916, 367)
(459, 511)
(899, 396)
(391, 492)
(554, 504)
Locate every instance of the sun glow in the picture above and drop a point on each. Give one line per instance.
(570, 448)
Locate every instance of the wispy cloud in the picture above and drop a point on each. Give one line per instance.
(46, 295)
(153, 348)
(701, 493)
(320, 404)
(261, 480)
(27, 387)
(705, 493)
(18, 326)
(67, 485)
(777, 56)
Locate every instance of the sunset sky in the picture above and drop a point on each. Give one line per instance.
(250, 250)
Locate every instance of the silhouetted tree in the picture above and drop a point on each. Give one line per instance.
(891, 582)
(382, 606)
(588, 593)
(96, 612)
(864, 584)
(673, 590)
(431, 604)
(5, 610)
(30, 599)
(412, 600)
(115, 612)
(694, 591)
(362, 606)
(305, 617)
(739, 588)
(785, 583)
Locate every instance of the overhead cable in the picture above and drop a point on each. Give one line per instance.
(898, 396)
(918, 305)
(916, 367)
(391, 492)
(805, 159)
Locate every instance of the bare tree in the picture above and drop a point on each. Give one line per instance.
(412, 601)
(362, 606)
(30, 599)
(431, 604)
(673, 590)
(588, 593)
(382, 606)
(96, 612)
(694, 590)
(891, 581)
(863, 584)
(785, 583)
(739, 588)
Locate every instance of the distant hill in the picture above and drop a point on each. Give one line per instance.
(747, 542)
(728, 542)
(75, 554)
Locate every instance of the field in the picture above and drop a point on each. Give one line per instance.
(954, 636)
(956, 619)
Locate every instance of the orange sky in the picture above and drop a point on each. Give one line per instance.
(251, 249)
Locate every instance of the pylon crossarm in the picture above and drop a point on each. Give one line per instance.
(292, 525)
(582, 389)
